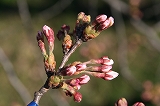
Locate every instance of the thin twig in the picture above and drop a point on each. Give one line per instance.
(66, 56)
(59, 99)
(25, 15)
(39, 94)
(14, 80)
(148, 31)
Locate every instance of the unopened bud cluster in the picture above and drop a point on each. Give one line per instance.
(84, 31)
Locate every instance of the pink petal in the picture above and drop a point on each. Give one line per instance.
(101, 18)
(110, 75)
(84, 79)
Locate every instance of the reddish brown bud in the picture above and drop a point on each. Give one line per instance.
(40, 36)
(77, 97)
(65, 28)
(67, 43)
(60, 35)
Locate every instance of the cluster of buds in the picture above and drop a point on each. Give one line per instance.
(101, 68)
(49, 61)
(83, 31)
(86, 30)
(123, 102)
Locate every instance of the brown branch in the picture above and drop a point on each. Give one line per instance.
(66, 56)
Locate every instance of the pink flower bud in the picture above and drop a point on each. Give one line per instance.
(139, 104)
(79, 81)
(106, 24)
(77, 97)
(121, 102)
(101, 18)
(42, 47)
(111, 19)
(110, 75)
(104, 61)
(106, 76)
(71, 70)
(68, 71)
(81, 66)
(84, 79)
(103, 68)
(49, 33)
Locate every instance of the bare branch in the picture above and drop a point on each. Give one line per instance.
(65, 57)
(25, 15)
(148, 31)
(14, 80)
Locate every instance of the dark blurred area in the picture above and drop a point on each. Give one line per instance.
(133, 42)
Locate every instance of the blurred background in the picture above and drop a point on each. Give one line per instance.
(133, 43)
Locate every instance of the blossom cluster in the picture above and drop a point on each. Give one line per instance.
(84, 31)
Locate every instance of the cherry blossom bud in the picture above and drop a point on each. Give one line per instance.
(139, 104)
(103, 68)
(49, 33)
(60, 35)
(121, 102)
(40, 36)
(77, 97)
(84, 79)
(67, 43)
(79, 81)
(106, 24)
(81, 66)
(69, 70)
(110, 75)
(106, 76)
(111, 19)
(104, 61)
(40, 40)
(99, 19)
